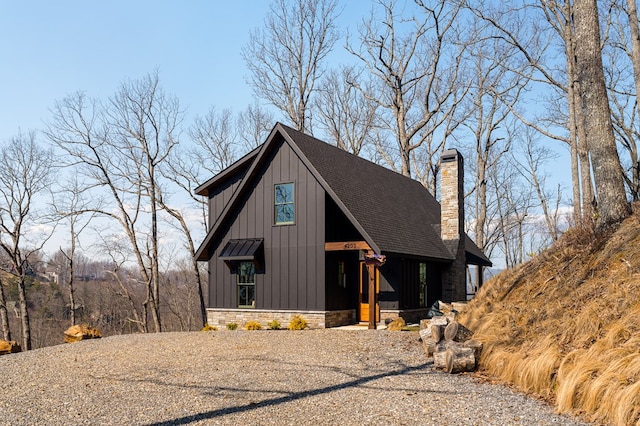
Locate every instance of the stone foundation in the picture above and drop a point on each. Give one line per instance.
(316, 319)
(410, 316)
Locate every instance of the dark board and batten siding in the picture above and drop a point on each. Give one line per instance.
(294, 254)
(219, 198)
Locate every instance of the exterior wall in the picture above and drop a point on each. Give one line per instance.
(390, 285)
(315, 319)
(221, 196)
(342, 295)
(294, 270)
(400, 283)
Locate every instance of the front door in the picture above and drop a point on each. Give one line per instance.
(364, 294)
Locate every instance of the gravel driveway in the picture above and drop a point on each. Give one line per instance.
(311, 377)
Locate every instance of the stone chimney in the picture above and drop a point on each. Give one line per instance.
(452, 224)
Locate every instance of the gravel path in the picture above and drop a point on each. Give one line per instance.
(311, 377)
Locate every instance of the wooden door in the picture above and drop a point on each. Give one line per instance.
(363, 295)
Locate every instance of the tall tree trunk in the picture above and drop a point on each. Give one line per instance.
(607, 171)
(70, 280)
(580, 166)
(155, 258)
(632, 13)
(72, 298)
(24, 313)
(481, 199)
(575, 163)
(4, 316)
(588, 195)
(203, 307)
(573, 120)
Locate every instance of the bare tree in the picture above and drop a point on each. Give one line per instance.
(286, 57)
(530, 158)
(72, 206)
(254, 125)
(216, 140)
(607, 171)
(121, 147)
(497, 78)
(4, 315)
(345, 114)
(214, 147)
(621, 54)
(180, 217)
(416, 61)
(118, 255)
(513, 210)
(25, 173)
(559, 16)
(533, 29)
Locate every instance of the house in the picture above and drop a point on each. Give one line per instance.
(292, 222)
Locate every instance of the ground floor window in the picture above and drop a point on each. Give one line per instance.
(342, 277)
(246, 285)
(423, 285)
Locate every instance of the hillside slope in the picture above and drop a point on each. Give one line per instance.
(566, 325)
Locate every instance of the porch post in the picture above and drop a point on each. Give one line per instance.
(371, 271)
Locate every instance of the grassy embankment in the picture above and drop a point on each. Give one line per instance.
(566, 325)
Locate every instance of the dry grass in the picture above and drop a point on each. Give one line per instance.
(566, 325)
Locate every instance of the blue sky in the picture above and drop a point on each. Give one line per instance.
(50, 49)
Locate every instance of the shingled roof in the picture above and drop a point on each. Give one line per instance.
(396, 214)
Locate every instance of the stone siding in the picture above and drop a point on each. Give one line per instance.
(315, 319)
(452, 224)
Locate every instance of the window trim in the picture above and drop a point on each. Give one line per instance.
(247, 284)
(276, 204)
(422, 284)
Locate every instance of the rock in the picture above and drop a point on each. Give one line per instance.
(429, 347)
(425, 333)
(459, 359)
(451, 316)
(437, 332)
(76, 333)
(9, 347)
(445, 307)
(476, 345)
(458, 306)
(440, 354)
(441, 320)
(397, 324)
(457, 332)
(425, 323)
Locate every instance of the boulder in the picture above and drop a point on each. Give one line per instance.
(450, 344)
(9, 347)
(397, 324)
(457, 332)
(75, 333)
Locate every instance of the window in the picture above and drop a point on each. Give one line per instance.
(284, 205)
(246, 285)
(423, 285)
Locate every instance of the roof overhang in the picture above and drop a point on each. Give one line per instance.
(242, 250)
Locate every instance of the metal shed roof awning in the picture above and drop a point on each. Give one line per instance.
(239, 250)
(245, 250)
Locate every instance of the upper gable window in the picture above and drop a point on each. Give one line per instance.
(284, 204)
